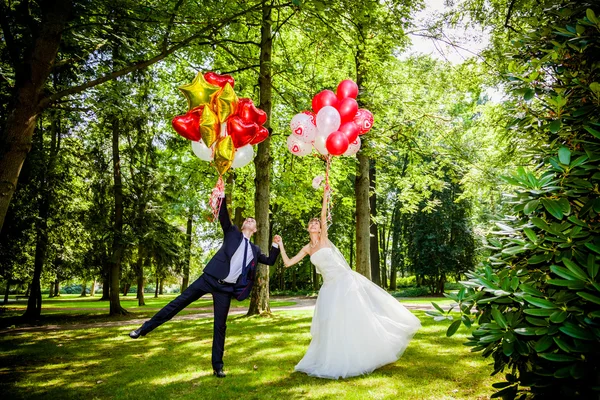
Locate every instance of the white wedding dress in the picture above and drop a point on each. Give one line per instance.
(357, 327)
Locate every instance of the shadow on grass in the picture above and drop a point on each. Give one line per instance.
(174, 362)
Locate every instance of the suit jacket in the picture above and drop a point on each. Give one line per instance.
(219, 265)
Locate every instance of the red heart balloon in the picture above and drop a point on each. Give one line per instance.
(347, 109)
(261, 134)
(188, 125)
(351, 130)
(322, 99)
(249, 113)
(337, 143)
(241, 132)
(347, 88)
(219, 80)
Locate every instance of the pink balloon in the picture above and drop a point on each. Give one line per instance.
(313, 117)
(336, 143)
(364, 120)
(347, 88)
(351, 130)
(302, 127)
(322, 99)
(353, 147)
(347, 109)
(298, 147)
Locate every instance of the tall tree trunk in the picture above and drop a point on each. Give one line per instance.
(351, 250)
(373, 236)
(259, 301)
(315, 278)
(34, 303)
(188, 255)
(93, 288)
(83, 289)
(161, 286)
(294, 280)
(156, 289)
(361, 187)
(395, 253)
(140, 275)
(383, 261)
(7, 291)
(51, 290)
(31, 74)
(106, 283)
(117, 246)
(56, 287)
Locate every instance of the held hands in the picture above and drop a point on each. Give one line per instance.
(277, 239)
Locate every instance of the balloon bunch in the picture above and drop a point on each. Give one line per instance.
(228, 126)
(222, 127)
(335, 125)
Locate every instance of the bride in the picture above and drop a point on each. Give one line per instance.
(357, 327)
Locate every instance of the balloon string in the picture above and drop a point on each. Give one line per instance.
(328, 189)
(216, 197)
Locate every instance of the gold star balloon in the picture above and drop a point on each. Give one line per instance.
(225, 102)
(224, 152)
(209, 126)
(199, 92)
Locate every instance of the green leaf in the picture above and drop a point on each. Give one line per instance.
(508, 347)
(589, 297)
(575, 269)
(589, 13)
(530, 234)
(555, 126)
(543, 344)
(593, 247)
(440, 309)
(577, 221)
(526, 331)
(499, 318)
(592, 265)
(538, 312)
(542, 303)
(594, 132)
(453, 328)
(552, 207)
(529, 93)
(531, 206)
(559, 316)
(530, 290)
(564, 205)
(539, 258)
(563, 272)
(540, 223)
(576, 332)
(558, 357)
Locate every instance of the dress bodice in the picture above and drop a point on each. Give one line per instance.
(328, 264)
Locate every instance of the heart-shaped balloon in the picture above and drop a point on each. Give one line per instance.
(347, 108)
(241, 132)
(261, 134)
(219, 80)
(249, 113)
(188, 125)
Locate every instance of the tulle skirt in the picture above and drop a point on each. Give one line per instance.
(357, 327)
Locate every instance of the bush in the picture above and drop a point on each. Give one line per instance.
(537, 297)
(412, 292)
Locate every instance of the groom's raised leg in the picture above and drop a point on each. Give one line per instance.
(191, 294)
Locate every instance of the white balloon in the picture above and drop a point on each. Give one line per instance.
(242, 156)
(298, 147)
(353, 147)
(319, 143)
(202, 151)
(303, 128)
(328, 120)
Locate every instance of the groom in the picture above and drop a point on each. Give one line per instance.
(230, 273)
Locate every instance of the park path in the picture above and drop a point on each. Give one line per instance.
(301, 303)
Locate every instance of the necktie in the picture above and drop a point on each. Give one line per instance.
(245, 252)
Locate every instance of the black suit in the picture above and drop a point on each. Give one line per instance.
(215, 271)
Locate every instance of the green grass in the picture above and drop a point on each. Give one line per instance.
(174, 362)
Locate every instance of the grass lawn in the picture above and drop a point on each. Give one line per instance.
(174, 362)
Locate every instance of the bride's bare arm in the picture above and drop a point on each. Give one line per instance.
(324, 238)
(288, 262)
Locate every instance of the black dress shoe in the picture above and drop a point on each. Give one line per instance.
(136, 333)
(219, 373)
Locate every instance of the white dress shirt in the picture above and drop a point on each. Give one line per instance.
(235, 265)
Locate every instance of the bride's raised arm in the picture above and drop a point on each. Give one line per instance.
(324, 239)
(288, 262)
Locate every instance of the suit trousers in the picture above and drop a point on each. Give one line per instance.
(221, 301)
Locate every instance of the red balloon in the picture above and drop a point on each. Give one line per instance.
(261, 134)
(347, 88)
(188, 125)
(218, 80)
(337, 143)
(351, 130)
(322, 99)
(241, 132)
(364, 120)
(313, 117)
(347, 108)
(249, 113)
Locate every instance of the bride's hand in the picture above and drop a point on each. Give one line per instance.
(277, 239)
